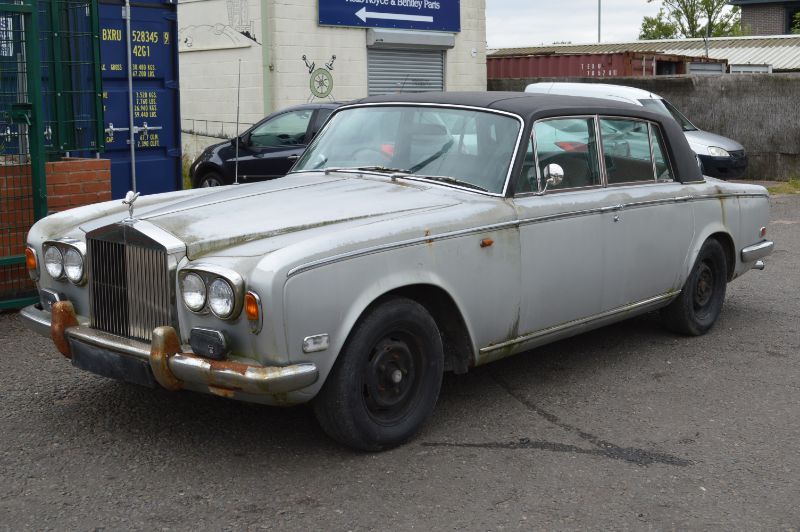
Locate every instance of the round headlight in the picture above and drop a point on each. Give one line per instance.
(54, 262)
(193, 289)
(73, 265)
(220, 298)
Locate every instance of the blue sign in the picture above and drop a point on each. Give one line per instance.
(435, 15)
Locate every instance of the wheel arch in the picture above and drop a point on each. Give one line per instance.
(721, 235)
(456, 340)
(205, 168)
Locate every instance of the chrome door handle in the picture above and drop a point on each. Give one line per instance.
(683, 198)
(293, 157)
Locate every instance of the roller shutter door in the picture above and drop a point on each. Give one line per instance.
(393, 70)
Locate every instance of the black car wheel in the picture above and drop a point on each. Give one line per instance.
(386, 381)
(211, 179)
(696, 309)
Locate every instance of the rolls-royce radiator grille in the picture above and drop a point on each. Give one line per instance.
(130, 290)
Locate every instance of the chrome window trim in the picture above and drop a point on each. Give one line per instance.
(652, 162)
(514, 153)
(600, 166)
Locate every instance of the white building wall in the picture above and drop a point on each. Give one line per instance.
(213, 35)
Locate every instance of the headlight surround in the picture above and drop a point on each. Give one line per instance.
(224, 290)
(221, 299)
(73, 265)
(718, 152)
(193, 290)
(54, 262)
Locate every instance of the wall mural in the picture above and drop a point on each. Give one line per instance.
(321, 82)
(239, 32)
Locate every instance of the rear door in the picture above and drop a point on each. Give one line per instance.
(649, 227)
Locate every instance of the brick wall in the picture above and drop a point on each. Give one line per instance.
(75, 182)
(71, 183)
(764, 19)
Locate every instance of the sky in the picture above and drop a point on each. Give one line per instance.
(533, 22)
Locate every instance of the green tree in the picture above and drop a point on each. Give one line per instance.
(796, 25)
(692, 18)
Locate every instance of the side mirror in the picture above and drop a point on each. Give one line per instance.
(553, 175)
(243, 141)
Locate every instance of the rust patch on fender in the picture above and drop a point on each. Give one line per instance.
(62, 318)
(227, 365)
(165, 344)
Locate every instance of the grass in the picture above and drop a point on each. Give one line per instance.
(187, 180)
(790, 187)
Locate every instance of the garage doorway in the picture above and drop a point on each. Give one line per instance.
(391, 70)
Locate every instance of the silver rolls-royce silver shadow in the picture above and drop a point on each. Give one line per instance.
(418, 234)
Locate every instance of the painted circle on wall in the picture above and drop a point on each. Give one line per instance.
(321, 83)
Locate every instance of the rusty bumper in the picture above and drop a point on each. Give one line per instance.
(172, 366)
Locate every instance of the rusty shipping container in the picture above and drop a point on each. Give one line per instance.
(620, 64)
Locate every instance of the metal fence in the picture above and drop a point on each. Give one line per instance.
(71, 83)
(23, 195)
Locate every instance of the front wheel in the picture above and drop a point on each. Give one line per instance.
(387, 378)
(211, 179)
(697, 308)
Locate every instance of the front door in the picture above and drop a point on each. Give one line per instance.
(273, 146)
(561, 232)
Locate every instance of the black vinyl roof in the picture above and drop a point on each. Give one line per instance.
(532, 107)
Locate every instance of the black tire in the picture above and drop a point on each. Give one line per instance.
(211, 179)
(387, 378)
(696, 309)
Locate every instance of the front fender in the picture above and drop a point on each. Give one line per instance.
(330, 300)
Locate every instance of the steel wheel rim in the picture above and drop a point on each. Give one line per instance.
(704, 287)
(210, 181)
(392, 376)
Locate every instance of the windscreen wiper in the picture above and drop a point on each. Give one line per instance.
(453, 181)
(375, 168)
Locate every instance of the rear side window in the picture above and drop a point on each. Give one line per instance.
(570, 143)
(626, 150)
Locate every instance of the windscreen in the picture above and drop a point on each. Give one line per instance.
(470, 148)
(665, 108)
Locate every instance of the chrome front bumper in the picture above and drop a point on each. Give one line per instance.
(172, 366)
(757, 251)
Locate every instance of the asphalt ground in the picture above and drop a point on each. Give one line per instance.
(627, 427)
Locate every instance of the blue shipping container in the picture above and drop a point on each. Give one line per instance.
(156, 97)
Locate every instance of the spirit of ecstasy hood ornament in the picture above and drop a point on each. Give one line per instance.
(130, 197)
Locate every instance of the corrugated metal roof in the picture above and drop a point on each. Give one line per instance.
(780, 51)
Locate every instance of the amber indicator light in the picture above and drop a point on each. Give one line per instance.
(763, 232)
(251, 306)
(486, 242)
(30, 259)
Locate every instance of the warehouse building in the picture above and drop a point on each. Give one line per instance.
(768, 17)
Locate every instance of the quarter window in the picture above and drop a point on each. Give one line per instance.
(626, 150)
(571, 144)
(663, 170)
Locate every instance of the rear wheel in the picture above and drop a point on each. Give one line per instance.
(386, 381)
(697, 308)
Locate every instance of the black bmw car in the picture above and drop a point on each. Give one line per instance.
(266, 151)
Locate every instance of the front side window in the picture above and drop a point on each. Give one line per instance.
(462, 147)
(288, 129)
(626, 150)
(571, 144)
